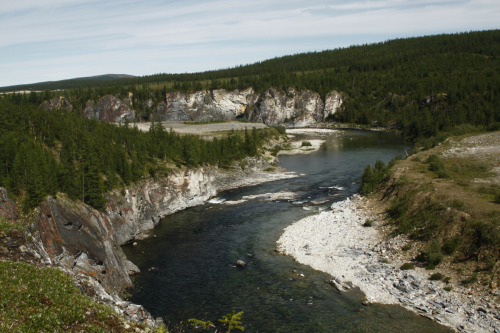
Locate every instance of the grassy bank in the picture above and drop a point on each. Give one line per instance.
(446, 200)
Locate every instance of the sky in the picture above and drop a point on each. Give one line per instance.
(52, 40)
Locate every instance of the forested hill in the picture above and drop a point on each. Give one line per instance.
(424, 86)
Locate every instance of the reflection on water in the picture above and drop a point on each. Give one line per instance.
(196, 250)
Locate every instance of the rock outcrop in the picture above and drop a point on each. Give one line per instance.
(8, 209)
(60, 103)
(109, 109)
(205, 105)
(81, 239)
(273, 107)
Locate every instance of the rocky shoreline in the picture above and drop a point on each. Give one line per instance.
(338, 242)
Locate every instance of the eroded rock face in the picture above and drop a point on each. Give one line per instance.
(82, 239)
(109, 109)
(8, 208)
(273, 107)
(60, 103)
(144, 204)
(205, 105)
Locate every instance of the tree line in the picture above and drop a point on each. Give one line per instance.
(45, 152)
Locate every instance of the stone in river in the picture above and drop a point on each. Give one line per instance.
(240, 263)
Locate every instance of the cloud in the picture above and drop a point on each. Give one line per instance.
(54, 33)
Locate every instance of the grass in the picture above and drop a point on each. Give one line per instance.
(6, 227)
(35, 300)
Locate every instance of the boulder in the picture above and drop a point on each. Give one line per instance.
(240, 263)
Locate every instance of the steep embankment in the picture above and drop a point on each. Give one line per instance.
(438, 219)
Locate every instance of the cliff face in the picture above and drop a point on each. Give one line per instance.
(273, 107)
(109, 109)
(87, 241)
(205, 105)
(60, 103)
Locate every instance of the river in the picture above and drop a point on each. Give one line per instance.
(194, 253)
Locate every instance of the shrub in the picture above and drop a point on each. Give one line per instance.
(451, 245)
(471, 279)
(448, 288)
(416, 159)
(368, 223)
(407, 266)
(497, 198)
(306, 144)
(447, 279)
(407, 247)
(434, 255)
(281, 129)
(436, 165)
(457, 204)
(436, 277)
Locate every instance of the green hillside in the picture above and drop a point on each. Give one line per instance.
(423, 85)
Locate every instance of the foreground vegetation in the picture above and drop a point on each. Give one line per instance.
(447, 204)
(36, 300)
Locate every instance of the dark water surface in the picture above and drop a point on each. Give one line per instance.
(195, 252)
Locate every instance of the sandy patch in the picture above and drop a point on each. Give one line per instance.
(182, 128)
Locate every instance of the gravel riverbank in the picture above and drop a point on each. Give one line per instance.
(337, 243)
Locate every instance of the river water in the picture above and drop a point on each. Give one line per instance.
(195, 252)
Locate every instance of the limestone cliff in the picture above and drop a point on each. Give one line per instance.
(205, 105)
(109, 109)
(60, 103)
(273, 107)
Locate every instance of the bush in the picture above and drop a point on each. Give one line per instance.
(451, 245)
(407, 247)
(407, 266)
(306, 144)
(368, 223)
(457, 204)
(436, 277)
(471, 279)
(448, 288)
(434, 255)
(497, 198)
(281, 129)
(436, 165)
(416, 159)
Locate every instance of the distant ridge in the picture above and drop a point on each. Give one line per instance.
(67, 84)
